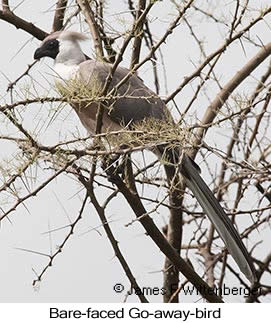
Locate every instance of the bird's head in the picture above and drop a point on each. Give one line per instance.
(61, 45)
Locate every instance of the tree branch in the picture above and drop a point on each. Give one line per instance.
(227, 90)
(94, 30)
(59, 15)
(138, 34)
(101, 212)
(159, 239)
(20, 23)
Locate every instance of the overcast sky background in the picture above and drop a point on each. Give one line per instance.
(87, 270)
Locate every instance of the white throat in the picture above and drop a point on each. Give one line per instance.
(68, 59)
(65, 72)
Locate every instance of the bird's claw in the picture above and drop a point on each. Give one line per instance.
(112, 167)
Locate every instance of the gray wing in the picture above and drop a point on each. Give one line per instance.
(135, 102)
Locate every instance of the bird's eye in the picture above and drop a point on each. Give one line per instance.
(52, 44)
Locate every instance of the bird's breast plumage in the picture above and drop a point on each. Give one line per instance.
(64, 73)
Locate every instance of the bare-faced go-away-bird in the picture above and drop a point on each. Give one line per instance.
(134, 102)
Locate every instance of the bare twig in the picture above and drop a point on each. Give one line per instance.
(89, 15)
(20, 23)
(101, 212)
(59, 15)
(159, 239)
(62, 245)
(223, 95)
(220, 50)
(25, 73)
(138, 34)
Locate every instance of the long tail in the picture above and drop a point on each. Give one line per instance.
(218, 217)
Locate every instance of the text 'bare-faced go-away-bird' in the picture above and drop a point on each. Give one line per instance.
(134, 103)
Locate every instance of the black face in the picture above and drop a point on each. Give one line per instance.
(50, 48)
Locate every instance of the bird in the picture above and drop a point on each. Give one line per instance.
(134, 103)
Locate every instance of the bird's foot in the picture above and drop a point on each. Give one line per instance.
(112, 167)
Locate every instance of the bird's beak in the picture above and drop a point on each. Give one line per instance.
(46, 50)
(39, 53)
